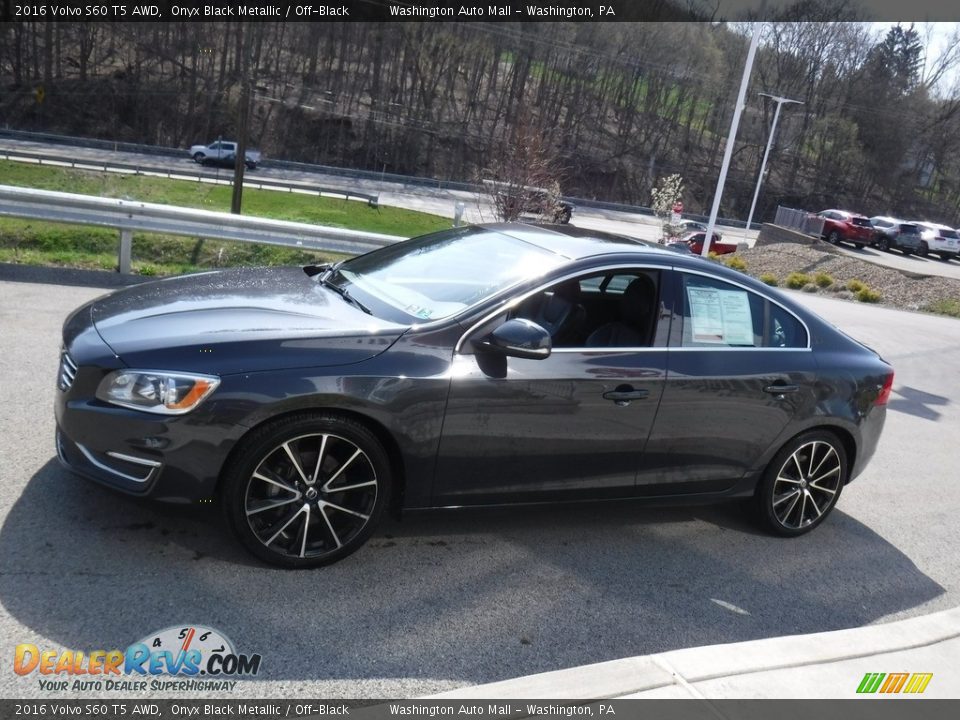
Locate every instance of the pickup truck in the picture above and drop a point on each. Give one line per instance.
(222, 152)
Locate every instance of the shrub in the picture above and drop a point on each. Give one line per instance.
(147, 270)
(855, 286)
(867, 295)
(769, 279)
(809, 288)
(712, 255)
(948, 306)
(736, 263)
(823, 280)
(796, 280)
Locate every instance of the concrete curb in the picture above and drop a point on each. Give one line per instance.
(618, 678)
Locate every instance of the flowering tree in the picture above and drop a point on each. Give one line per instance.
(664, 198)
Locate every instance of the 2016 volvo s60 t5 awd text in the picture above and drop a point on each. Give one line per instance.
(474, 366)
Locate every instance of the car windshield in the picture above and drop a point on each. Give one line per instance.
(438, 275)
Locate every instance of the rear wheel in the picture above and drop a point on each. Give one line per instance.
(834, 237)
(802, 484)
(307, 490)
(198, 157)
(924, 249)
(883, 242)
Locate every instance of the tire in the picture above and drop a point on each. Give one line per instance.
(834, 238)
(251, 165)
(199, 158)
(905, 251)
(924, 250)
(883, 242)
(789, 503)
(313, 512)
(947, 257)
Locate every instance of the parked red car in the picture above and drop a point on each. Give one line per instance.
(842, 226)
(695, 243)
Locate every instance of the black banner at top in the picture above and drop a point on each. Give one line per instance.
(481, 10)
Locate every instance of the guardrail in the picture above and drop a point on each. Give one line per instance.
(128, 216)
(382, 177)
(191, 174)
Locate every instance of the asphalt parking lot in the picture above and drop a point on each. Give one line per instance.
(441, 600)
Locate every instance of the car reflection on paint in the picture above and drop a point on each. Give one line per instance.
(482, 365)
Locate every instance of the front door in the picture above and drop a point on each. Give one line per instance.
(569, 426)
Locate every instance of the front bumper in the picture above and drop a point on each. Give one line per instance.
(168, 458)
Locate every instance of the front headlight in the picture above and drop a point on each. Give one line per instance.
(156, 391)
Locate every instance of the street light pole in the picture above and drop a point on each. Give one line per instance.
(763, 165)
(731, 138)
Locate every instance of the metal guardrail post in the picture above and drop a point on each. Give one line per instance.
(125, 253)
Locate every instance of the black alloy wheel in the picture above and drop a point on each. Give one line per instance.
(199, 157)
(802, 483)
(834, 237)
(884, 243)
(307, 490)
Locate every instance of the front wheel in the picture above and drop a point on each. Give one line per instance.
(834, 238)
(307, 490)
(802, 484)
(884, 243)
(199, 157)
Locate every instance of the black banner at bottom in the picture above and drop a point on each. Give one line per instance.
(873, 708)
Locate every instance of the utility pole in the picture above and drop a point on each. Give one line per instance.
(732, 137)
(243, 123)
(781, 101)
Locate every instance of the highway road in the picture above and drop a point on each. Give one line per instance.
(441, 600)
(477, 209)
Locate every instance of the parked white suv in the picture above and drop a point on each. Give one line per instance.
(939, 240)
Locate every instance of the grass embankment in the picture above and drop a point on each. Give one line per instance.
(39, 243)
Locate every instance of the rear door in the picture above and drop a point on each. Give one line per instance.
(740, 369)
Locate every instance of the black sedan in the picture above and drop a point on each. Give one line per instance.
(474, 366)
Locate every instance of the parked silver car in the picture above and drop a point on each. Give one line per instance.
(893, 234)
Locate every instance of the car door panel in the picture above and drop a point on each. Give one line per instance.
(727, 398)
(545, 429)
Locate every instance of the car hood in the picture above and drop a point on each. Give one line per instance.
(239, 320)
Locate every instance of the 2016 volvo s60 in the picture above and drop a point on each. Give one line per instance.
(474, 366)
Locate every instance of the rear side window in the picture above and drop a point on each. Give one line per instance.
(948, 233)
(717, 314)
(862, 222)
(910, 229)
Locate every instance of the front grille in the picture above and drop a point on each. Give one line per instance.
(67, 372)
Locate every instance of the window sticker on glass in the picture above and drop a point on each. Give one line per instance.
(720, 316)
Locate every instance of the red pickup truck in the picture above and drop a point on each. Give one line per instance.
(842, 226)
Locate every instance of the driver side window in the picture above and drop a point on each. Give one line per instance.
(614, 309)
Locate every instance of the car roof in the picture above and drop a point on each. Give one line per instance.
(574, 242)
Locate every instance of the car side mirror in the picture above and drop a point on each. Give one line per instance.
(519, 338)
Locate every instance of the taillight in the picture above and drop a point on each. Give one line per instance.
(885, 391)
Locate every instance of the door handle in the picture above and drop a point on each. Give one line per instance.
(777, 389)
(624, 394)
